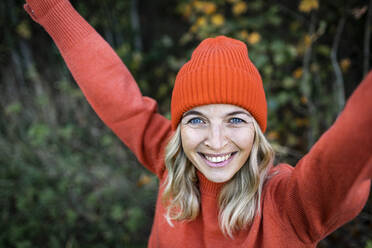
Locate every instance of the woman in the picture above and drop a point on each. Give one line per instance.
(217, 184)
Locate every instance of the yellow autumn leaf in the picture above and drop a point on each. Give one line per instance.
(143, 180)
(201, 21)
(198, 5)
(243, 35)
(308, 5)
(273, 135)
(315, 4)
(218, 19)
(209, 8)
(298, 73)
(239, 8)
(24, 30)
(301, 122)
(345, 64)
(194, 28)
(304, 44)
(307, 40)
(254, 38)
(304, 100)
(206, 7)
(186, 10)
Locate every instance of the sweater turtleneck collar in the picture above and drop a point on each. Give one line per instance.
(208, 187)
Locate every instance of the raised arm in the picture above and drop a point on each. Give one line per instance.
(105, 81)
(330, 185)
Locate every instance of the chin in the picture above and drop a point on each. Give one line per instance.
(218, 178)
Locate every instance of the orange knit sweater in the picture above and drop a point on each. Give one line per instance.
(300, 205)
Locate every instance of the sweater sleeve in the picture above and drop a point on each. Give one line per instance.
(330, 185)
(105, 81)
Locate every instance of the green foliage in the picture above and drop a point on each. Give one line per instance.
(77, 197)
(13, 108)
(369, 244)
(38, 134)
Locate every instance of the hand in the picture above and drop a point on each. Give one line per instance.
(38, 8)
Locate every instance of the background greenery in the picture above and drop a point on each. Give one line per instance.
(67, 181)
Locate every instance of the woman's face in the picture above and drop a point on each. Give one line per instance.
(217, 139)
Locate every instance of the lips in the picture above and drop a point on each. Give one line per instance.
(217, 160)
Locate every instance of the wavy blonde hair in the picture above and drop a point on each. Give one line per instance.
(239, 199)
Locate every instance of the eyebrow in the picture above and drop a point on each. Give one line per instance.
(194, 112)
(237, 113)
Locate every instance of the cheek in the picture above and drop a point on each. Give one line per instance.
(244, 140)
(190, 139)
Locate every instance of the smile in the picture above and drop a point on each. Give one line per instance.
(218, 160)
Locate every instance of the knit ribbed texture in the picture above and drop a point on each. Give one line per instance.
(60, 20)
(219, 71)
(40, 8)
(208, 187)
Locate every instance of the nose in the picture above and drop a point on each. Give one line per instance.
(216, 139)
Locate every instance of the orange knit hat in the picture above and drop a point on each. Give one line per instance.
(219, 71)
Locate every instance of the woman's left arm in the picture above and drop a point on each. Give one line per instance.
(330, 185)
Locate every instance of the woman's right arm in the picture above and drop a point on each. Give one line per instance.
(105, 81)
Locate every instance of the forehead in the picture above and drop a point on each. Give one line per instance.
(218, 109)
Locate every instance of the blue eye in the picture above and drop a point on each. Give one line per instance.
(196, 121)
(236, 120)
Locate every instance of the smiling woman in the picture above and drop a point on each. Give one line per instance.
(218, 140)
(217, 183)
(219, 143)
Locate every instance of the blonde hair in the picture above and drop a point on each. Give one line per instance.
(239, 199)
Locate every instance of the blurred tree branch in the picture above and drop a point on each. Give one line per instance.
(339, 89)
(136, 25)
(306, 83)
(367, 40)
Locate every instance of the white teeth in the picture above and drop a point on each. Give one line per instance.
(218, 159)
